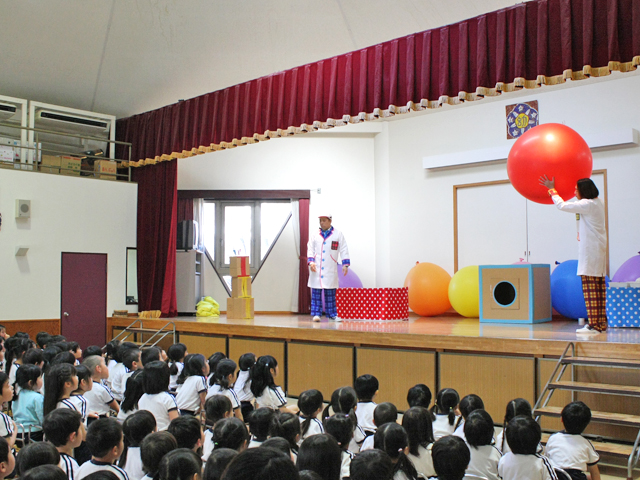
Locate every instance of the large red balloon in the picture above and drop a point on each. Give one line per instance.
(553, 150)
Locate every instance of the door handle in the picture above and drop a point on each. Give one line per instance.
(65, 314)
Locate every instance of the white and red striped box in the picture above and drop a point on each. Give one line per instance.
(373, 303)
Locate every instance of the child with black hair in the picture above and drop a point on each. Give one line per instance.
(15, 350)
(366, 387)
(132, 361)
(176, 354)
(61, 382)
(156, 397)
(468, 404)
(263, 385)
(132, 394)
(383, 413)
(34, 356)
(153, 448)
(116, 376)
(310, 405)
(450, 458)
(417, 423)
(62, 357)
(74, 348)
(340, 427)
(92, 350)
(517, 406)
(7, 460)
(568, 449)
(34, 455)
(345, 400)
(3, 351)
(180, 464)
(100, 400)
(63, 427)
(242, 386)
(523, 463)
(287, 426)
(259, 423)
(478, 430)
(106, 443)
(321, 454)
(112, 358)
(135, 428)
(8, 429)
(230, 433)
(187, 431)
(221, 383)
(261, 464)
(51, 472)
(280, 444)
(28, 406)
(446, 412)
(393, 439)
(85, 383)
(216, 408)
(371, 465)
(217, 463)
(419, 396)
(213, 364)
(42, 339)
(192, 384)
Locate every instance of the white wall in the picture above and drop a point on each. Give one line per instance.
(340, 164)
(421, 202)
(69, 214)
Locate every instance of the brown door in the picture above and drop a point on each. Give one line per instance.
(84, 298)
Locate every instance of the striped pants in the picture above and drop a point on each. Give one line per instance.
(595, 297)
(329, 302)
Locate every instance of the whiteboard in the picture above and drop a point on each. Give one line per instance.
(492, 225)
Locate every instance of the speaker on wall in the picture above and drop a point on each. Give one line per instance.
(23, 208)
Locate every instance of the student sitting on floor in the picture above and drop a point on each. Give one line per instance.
(230, 433)
(153, 448)
(242, 386)
(62, 380)
(175, 358)
(217, 463)
(7, 460)
(132, 393)
(366, 387)
(180, 464)
(156, 397)
(187, 431)
(393, 439)
(371, 465)
(568, 449)
(221, 383)
(106, 443)
(419, 396)
(341, 428)
(192, 384)
(259, 424)
(216, 408)
(99, 399)
(287, 426)
(467, 405)
(478, 430)
(446, 412)
(310, 405)
(34, 455)
(28, 407)
(8, 428)
(384, 413)
(450, 458)
(417, 423)
(344, 400)
(263, 385)
(517, 406)
(135, 429)
(63, 427)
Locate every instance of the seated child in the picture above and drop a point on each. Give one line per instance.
(568, 449)
(135, 429)
(341, 428)
(215, 408)
(28, 406)
(100, 401)
(321, 454)
(366, 387)
(34, 455)
(417, 423)
(450, 458)
(259, 423)
(393, 439)
(217, 463)
(446, 412)
(478, 430)
(153, 448)
(467, 405)
(63, 427)
(345, 400)
(181, 464)
(384, 413)
(419, 396)
(371, 465)
(156, 398)
(187, 431)
(230, 433)
(517, 406)
(310, 405)
(175, 359)
(48, 472)
(8, 428)
(286, 425)
(242, 386)
(105, 442)
(523, 463)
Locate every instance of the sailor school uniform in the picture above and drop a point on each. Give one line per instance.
(69, 466)
(230, 393)
(93, 466)
(272, 397)
(188, 396)
(133, 465)
(484, 461)
(442, 427)
(98, 399)
(6, 425)
(77, 403)
(513, 466)
(315, 428)
(242, 387)
(159, 404)
(571, 452)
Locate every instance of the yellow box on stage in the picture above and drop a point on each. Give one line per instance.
(240, 308)
(241, 287)
(515, 293)
(239, 266)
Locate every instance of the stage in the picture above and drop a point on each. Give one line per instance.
(499, 362)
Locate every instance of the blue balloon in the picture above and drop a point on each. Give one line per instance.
(566, 290)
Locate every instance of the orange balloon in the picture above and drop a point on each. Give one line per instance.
(428, 289)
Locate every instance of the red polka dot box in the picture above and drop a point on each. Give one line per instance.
(373, 303)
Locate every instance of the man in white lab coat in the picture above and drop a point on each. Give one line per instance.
(323, 253)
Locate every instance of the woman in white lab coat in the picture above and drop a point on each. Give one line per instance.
(323, 251)
(592, 247)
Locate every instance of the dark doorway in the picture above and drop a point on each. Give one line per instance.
(83, 303)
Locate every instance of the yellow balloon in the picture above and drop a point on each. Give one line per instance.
(464, 292)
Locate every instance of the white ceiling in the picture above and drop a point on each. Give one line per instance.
(124, 57)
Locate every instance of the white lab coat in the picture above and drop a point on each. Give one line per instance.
(325, 254)
(592, 235)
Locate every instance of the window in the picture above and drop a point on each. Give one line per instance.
(242, 228)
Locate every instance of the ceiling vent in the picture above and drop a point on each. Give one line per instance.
(64, 122)
(9, 112)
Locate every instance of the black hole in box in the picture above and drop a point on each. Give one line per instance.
(504, 293)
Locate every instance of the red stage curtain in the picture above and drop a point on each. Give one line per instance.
(304, 294)
(541, 42)
(185, 209)
(157, 232)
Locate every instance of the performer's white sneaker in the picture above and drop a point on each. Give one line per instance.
(335, 319)
(316, 318)
(587, 329)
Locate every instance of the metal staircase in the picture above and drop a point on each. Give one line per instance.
(155, 336)
(555, 382)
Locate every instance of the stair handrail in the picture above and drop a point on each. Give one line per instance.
(137, 320)
(570, 345)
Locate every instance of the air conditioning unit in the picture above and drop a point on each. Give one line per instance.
(9, 112)
(68, 123)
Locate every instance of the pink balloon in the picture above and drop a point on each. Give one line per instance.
(629, 271)
(350, 280)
